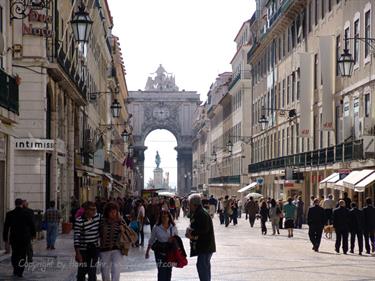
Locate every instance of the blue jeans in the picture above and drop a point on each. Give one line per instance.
(164, 268)
(204, 266)
(52, 229)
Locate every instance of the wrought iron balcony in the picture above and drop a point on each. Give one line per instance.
(343, 152)
(8, 92)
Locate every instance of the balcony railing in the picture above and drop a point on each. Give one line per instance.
(70, 69)
(8, 92)
(343, 152)
(225, 180)
(238, 77)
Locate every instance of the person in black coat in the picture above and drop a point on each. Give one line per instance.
(341, 224)
(202, 237)
(369, 229)
(357, 222)
(19, 229)
(316, 221)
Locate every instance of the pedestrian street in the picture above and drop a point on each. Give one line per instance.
(244, 254)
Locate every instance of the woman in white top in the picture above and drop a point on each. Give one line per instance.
(163, 234)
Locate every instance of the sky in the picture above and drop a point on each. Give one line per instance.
(193, 39)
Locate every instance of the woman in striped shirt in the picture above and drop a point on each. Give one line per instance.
(111, 257)
(86, 242)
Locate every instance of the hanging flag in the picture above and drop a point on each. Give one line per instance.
(307, 78)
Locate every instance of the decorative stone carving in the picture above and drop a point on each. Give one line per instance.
(163, 81)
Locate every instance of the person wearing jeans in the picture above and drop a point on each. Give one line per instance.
(110, 255)
(202, 238)
(52, 219)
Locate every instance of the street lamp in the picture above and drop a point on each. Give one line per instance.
(81, 25)
(346, 61)
(214, 155)
(130, 150)
(115, 108)
(125, 135)
(291, 113)
(230, 146)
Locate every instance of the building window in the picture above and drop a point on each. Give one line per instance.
(292, 140)
(367, 105)
(338, 43)
(287, 141)
(329, 5)
(316, 12)
(322, 7)
(289, 39)
(310, 16)
(283, 94)
(315, 71)
(356, 41)
(283, 142)
(298, 83)
(293, 85)
(297, 138)
(278, 143)
(346, 35)
(2, 32)
(284, 42)
(321, 131)
(367, 32)
(287, 90)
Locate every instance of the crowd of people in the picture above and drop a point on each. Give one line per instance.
(99, 226)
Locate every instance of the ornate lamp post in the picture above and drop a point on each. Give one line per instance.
(115, 108)
(81, 25)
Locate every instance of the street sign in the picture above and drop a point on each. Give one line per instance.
(260, 181)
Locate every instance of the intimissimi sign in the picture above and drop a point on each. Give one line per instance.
(34, 144)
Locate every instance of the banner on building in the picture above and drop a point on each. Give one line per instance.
(307, 79)
(327, 66)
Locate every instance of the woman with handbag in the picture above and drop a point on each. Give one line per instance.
(110, 254)
(160, 242)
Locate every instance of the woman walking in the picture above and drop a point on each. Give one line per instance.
(275, 217)
(110, 254)
(264, 215)
(161, 235)
(289, 214)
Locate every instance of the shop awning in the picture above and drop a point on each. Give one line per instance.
(360, 187)
(247, 187)
(91, 174)
(355, 177)
(339, 185)
(323, 183)
(332, 181)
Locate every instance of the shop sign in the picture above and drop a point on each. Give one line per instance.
(34, 16)
(34, 144)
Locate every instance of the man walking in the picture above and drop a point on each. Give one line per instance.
(253, 209)
(341, 225)
(19, 229)
(328, 206)
(202, 237)
(52, 218)
(369, 229)
(315, 220)
(212, 205)
(356, 224)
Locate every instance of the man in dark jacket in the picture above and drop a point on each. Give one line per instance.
(369, 229)
(202, 237)
(19, 229)
(356, 220)
(341, 225)
(316, 220)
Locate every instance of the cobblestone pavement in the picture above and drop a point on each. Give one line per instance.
(242, 254)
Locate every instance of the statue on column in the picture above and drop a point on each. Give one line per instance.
(157, 159)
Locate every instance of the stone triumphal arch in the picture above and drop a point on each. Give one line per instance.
(163, 106)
